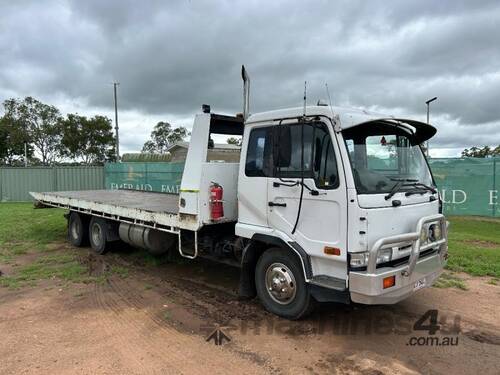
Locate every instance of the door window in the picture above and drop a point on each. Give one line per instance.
(259, 153)
(299, 159)
(316, 159)
(325, 163)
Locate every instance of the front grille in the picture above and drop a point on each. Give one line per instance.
(399, 262)
(404, 260)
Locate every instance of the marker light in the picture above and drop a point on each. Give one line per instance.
(388, 282)
(328, 250)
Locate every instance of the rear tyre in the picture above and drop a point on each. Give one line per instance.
(98, 230)
(281, 286)
(78, 229)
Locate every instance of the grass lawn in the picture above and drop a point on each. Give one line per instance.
(41, 233)
(24, 229)
(474, 247)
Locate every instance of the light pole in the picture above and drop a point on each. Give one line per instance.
(115, 84)
(429, 102)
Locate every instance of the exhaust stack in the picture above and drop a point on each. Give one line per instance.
(246, 92)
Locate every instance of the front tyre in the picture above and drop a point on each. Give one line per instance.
(281, 286)
(98, 230)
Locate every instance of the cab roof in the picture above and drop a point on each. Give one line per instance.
(349, 118)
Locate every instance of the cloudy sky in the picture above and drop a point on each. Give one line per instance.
(172, 56)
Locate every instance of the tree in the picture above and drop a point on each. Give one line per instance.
(88, 139)
(39, 122)
(163, 136)
(476, 152)
(12, 140)
(234, 141)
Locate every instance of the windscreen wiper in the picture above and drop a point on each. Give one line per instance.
(404, 179)
(420, 186)
(395, 189)
(400, 182)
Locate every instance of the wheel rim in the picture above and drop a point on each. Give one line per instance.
(75, 229)
(280, 283)
(96, 234)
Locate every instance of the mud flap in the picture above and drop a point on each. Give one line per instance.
(322, 294)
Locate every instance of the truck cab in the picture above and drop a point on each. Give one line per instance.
(338, 205)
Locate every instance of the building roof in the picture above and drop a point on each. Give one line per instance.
(217, 146)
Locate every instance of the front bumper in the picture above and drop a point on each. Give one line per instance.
(367, 286)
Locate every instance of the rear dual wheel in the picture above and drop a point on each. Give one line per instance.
(78, 229)
(83, 229)
(98, 232)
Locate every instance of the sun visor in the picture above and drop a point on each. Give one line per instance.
(419, 131)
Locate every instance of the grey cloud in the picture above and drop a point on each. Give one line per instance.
(170, 57)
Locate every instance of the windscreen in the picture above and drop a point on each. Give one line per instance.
(382, 155)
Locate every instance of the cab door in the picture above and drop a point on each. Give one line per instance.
(309, 150)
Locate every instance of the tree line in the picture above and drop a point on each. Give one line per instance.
(483, 152)
(39, 132)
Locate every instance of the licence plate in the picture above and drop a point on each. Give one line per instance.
(419, 284)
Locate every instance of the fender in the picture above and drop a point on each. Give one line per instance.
(251, 253)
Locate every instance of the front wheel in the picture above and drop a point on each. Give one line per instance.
(281, 286)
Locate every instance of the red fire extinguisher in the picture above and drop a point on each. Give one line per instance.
(216, 202)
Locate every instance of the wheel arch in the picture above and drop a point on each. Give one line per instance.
(252, 252)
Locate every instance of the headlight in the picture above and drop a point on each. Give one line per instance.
(423, 235)
(384, 255)
(435, 232)
(361, 259)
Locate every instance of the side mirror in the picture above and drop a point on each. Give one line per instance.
(282, 146)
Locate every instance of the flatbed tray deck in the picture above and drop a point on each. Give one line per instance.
(151, 209)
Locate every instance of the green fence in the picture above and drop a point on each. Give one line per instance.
(468, 186)
(16, 183)
(162, 177)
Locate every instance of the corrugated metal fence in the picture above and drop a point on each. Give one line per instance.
(16, 183)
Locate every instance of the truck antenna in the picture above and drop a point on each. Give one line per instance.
(305, 98)
(329, 98)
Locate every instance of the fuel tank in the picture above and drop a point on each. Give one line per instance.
(154, 241)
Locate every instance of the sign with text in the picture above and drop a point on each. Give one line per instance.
(160, 177)
(468, 186)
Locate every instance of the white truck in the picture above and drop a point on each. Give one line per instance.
(326, 204)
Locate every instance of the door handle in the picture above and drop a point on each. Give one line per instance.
(273, 204)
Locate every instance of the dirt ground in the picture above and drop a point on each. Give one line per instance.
(156, 320)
